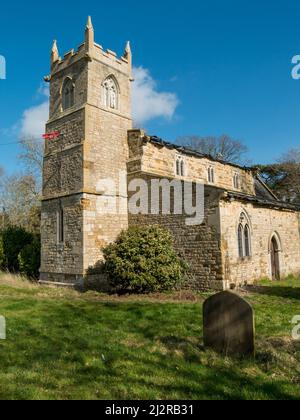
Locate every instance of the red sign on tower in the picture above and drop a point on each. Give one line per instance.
(51, 136)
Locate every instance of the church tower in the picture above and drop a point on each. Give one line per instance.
(90, 112)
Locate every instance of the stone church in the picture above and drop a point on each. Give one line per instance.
(246, 233)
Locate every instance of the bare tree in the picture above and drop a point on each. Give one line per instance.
(222, 148)
(20, 193)
(291, 157)
(32, 157)
(284, 176)
(20, 201)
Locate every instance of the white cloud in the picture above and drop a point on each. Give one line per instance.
(34, 119)
(147, 102)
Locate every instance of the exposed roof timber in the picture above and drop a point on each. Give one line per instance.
(266, 187)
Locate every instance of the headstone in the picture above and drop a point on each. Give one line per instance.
(229, 325)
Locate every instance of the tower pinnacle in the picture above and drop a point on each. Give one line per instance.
(89, 35)
(128, 53)
(54, 53)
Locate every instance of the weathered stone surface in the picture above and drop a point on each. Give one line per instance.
(161, 161)
(198, 245)
(92, 146)
(264, 222)
(228, 325)
(212, 248)
(97, 142)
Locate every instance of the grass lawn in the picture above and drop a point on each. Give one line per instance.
(65, 345)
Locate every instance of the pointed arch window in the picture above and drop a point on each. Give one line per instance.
(110, 93)
(180, 166)
(68, 94)
(244, 237)
(247, 241)
(240, 241)
(211, 175)
(236, 181)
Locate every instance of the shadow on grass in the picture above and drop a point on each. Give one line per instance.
(180, 345)
(276, 291)
(204, 381)
(66, 349)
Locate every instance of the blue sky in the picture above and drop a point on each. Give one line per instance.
(227, 63)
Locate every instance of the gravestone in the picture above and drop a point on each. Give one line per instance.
(228, 322)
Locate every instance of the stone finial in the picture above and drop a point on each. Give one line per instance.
(128, 48)
(128, 54)
(54, 53)
(89, 24)
(89, 35)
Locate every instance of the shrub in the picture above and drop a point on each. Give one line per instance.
(30, 259)
(143, 260)
(14, 239)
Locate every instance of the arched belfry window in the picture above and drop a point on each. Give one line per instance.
(244, 237)
(68, 94)
(110, 93)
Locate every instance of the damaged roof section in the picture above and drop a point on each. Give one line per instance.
(263, 194)
(263, 202)
(190, 152)
(262, 191)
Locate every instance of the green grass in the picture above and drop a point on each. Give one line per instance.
(65, 345)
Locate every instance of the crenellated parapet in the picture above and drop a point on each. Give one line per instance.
(90, 51)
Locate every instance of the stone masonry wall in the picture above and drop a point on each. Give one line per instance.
(63, 161)
(264, 222)
(199, 245)
(105, 157)
(153, 159)
(62, 262)
(62, 187)
(92, 146)
(76, 68)
(101, 226)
